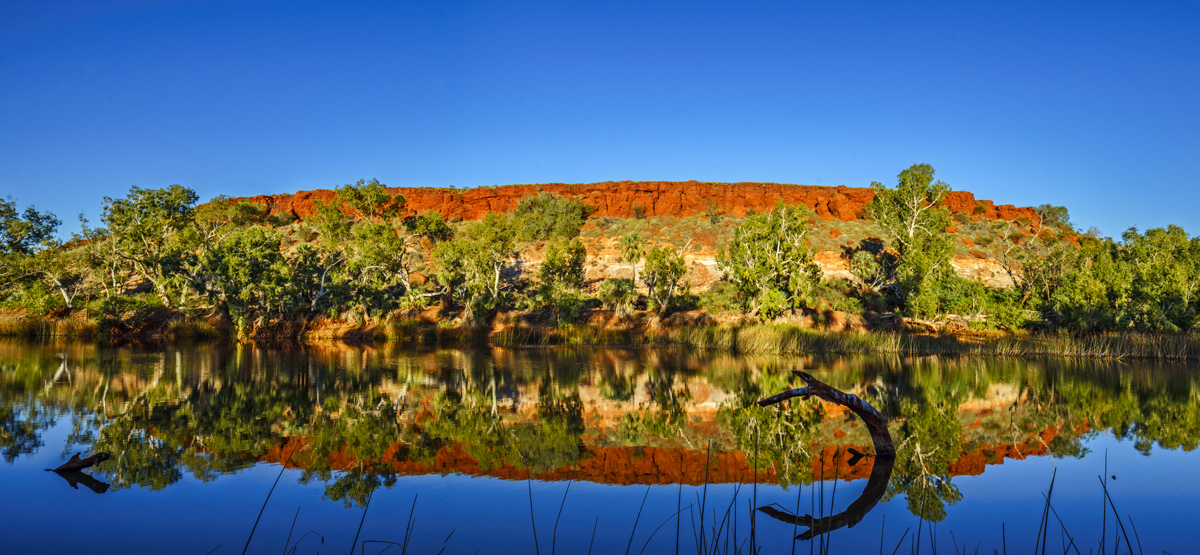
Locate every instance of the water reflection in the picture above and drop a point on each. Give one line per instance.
(877, 486)
(355, 418)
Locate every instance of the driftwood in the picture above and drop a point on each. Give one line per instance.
(876, 423)
(77, 463)
(881, 468)
(881, 473)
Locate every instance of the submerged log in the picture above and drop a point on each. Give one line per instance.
(77, 463)
(876, 423)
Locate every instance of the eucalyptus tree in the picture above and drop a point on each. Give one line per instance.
(664, 277)
(247, 276)
(21, 236)
(544, 215)
(561, 275)
(471, 268)
(913, 217)
(1164, 285)
(769, 261)
(368, 245)
(25, 233)
(147, 227)
(1037, 256)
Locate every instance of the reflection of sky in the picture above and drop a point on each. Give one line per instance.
(493, 515)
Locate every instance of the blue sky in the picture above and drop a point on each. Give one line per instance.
(1091, 105)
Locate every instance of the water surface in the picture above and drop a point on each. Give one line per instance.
(614, 450)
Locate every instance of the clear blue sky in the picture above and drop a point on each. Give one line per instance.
(1091, 105)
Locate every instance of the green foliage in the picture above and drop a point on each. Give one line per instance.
(148, 229)
(561, 276)
(912, 216)
(24, 234)
(665, 270)
(1054, 216)
(770, 263)
(1150, 282)
(472, 266)
(370, 201)
(430, 225)
(246, 275)
(564, 263)
(721, 296)
(544, 215)
(618, 295)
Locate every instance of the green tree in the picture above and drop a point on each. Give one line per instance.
(665, 270)
(544, 215)
(1038, 258)
(769, 261)
(1165, 287)
(25, 233)
(561, 275)
(247, 276)
(370, 201)
(367, 248)
(21, 237)
(147, 226)
(472, 266)
(430, 225)
(913, 217)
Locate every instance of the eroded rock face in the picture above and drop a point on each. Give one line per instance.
(624, 199)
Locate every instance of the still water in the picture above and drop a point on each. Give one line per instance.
(232, 449)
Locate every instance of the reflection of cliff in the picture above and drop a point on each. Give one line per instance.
(642, 416)
(661, 465)
(605, 465)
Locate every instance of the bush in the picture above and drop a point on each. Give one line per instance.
(546, 215)
(722, 296)
(618, 295)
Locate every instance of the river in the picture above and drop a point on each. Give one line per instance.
(225, 448)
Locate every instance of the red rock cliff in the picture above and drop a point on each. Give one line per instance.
(655, 198)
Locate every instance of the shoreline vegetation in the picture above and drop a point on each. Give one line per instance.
(735, 337)
(360, 264)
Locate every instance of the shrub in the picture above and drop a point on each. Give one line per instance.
(544, 215)
(618, 295)
(722, 296)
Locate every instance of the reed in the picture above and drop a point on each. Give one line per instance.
(42, 328)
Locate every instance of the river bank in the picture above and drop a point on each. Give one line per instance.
(696, 329)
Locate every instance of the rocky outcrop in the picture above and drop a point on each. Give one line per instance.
(624, 199)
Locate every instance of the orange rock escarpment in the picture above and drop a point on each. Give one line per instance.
(623, 199)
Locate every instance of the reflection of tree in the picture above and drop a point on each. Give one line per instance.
(20, 429)
(778, 437)
(362, 413)
(932, 440)
(661, 415)
(139, 458)
(877, 485)
(552, 441)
